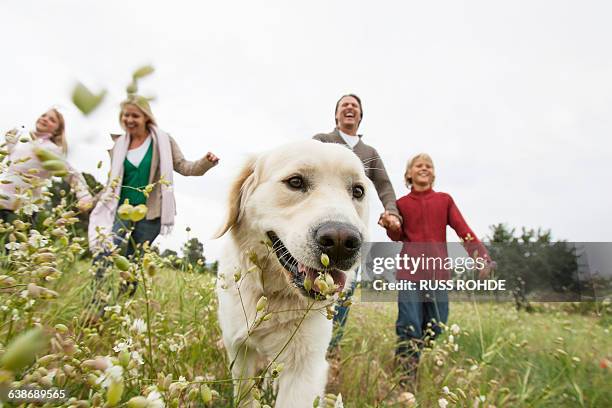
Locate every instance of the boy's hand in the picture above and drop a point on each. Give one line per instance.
(485, 272)
(390, 221)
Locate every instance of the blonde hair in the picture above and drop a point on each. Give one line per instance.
(59, 135)
(411, 162)
(142, 104)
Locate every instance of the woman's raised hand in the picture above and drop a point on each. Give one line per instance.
(212, 158)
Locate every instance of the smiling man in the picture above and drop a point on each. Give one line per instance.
(348, 115)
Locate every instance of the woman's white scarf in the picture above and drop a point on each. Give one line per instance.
(103, 215)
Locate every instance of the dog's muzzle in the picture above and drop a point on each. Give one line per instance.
(341, 243)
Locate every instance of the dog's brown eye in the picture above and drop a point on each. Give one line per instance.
(295, 182)
(358, 191)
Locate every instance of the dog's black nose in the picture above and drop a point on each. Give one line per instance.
(340, 241)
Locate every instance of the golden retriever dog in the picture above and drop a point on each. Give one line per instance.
(297, 216)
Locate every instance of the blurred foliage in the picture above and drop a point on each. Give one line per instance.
(530, 260)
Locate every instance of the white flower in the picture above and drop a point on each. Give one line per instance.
(455, 329)
(36, 240)
(445, 390)
(116, 309)
(154, 400)
(114, 373)
(123, 345)
(137, 357)
(29, 208)
(13, 246)
(339, 403)
(451, 339)
(442, 403)
(139, 326)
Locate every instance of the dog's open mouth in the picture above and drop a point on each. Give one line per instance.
(307, 278)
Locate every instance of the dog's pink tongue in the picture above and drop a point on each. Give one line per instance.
(310, 273)
(302, 268)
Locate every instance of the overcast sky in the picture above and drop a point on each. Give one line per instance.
(513, 100)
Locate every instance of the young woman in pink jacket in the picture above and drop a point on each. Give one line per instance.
(32, 158)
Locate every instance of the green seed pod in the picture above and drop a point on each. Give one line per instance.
(44, 257)
(138, 402)
(138, 213)
(6, 280)
(45, 155)
(132, 88)
(206, 394)
(19, 225)
(262, 303)
(61, 328)
(121, 262)
(325, 260)
(60, 379)
(92, 380)
(54, 165)
(59, 173)
(114, 393)
(22, 350)
(43, 361)
(193, 394)
(321, 285)
(143, 71)
(307, 284)
(124, 358)
(124, 211)
(152, 270)
(46, 381)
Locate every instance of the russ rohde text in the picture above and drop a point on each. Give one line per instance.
(471, 284)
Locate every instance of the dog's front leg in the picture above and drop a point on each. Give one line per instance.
(298, 386)
(243, 370)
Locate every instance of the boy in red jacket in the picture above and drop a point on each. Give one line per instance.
(426, 213)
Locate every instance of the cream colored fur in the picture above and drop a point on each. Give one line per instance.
(260, 201)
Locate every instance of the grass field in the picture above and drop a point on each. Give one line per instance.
(169, 350)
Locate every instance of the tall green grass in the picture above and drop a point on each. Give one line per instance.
(498, 358)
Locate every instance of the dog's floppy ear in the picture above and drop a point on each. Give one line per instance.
(241, 188)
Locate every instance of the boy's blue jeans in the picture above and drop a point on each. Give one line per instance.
(415, 310)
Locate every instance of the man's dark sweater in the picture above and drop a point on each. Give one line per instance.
(374, 168)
